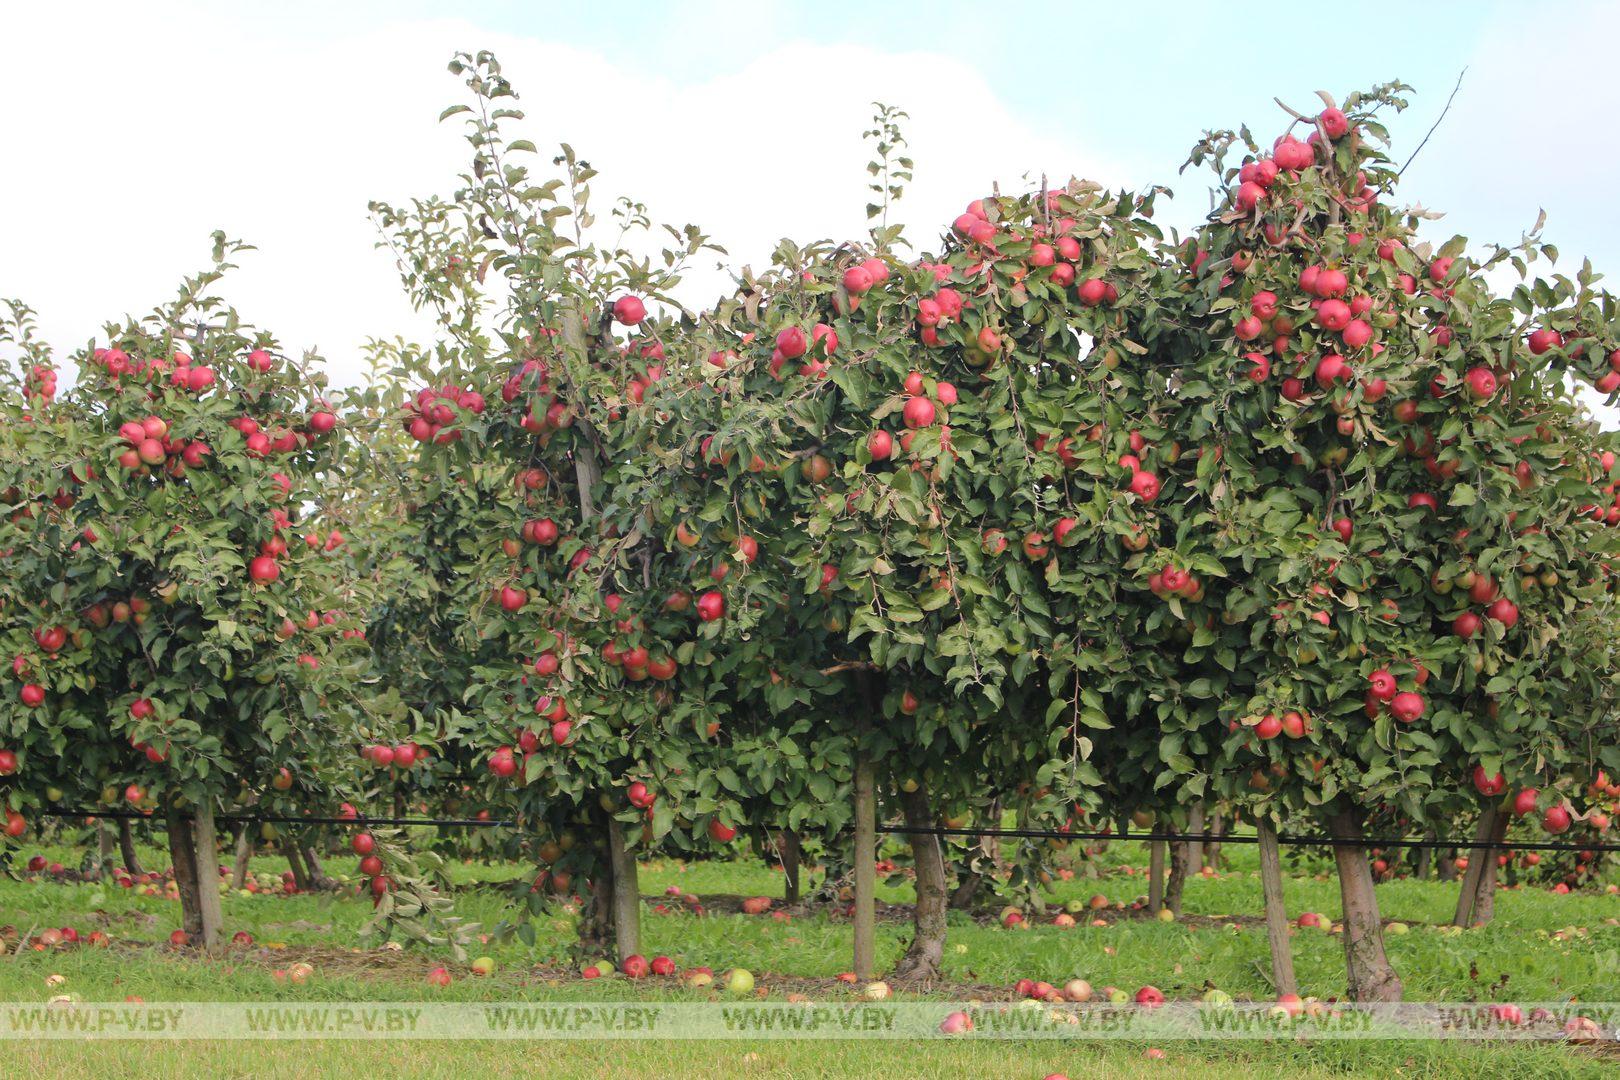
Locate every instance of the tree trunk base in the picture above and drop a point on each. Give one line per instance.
(1369, 974)
(927, 951)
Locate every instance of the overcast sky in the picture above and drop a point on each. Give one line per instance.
(132, 130)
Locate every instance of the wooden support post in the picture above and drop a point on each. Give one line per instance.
(626, 894)
(1271, 884)
(865, 863)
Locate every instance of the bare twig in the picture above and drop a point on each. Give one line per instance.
(1437, 120)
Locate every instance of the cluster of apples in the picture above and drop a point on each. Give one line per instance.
(431, 415)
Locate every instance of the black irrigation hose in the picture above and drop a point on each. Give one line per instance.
(911, 830)
(281, 819)
(1230, 838)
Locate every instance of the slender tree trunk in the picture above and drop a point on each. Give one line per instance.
(596, 925)
(1271, 884)
(966, 893)
(787, 843)
(183, 854)
(317, 873)
(1369, 974)
(126, 848)
(1212, 850)
(1424, 861)
(626, 894)
(295, 862)
(1195, 848)
(242, 856)
(1448, 865)
(104, 848)
(927, 951)
(1177, 883)
(1155, 876)
(1485, 895)
(1477, 858)
(206, 840)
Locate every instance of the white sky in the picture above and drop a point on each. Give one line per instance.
(132, 131)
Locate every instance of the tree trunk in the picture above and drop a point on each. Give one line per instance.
(1195, 848)
(317, 873)
(1369, 974)
(183, 854)
(242, 856)
(295, 862)
(626, 894)
(126, 848)
(1212, 850)
(787, 843)
(1271, 884)
(927, 951)
(596, 924)
(864, 857)
(1155, 876)
(1448, 865)
(206, 840)
(1476, 866)
(104, 848)
(1424, 861)
(1485, 892)
(966, 893)
(1179, 854)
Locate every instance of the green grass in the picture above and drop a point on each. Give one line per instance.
(1541, 947)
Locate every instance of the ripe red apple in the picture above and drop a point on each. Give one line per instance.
(880, 444)
(1383, 684)
(1488, 785)
(720, 832)
(711, 606)
(1145, 485)
(264, 569)
(629, 310)
(1525, 801)
(1556, 819)
(1407, 706)
(919, 412)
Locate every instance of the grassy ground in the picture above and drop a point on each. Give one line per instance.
(1541, 947)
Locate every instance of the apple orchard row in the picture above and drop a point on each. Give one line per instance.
(1295, 517)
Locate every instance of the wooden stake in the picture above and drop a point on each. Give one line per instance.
(1271, 884)
(626, 894)
(865, 860)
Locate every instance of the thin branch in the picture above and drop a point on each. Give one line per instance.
(1437, 121)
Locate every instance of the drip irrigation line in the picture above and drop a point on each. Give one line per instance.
(1241, 838)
